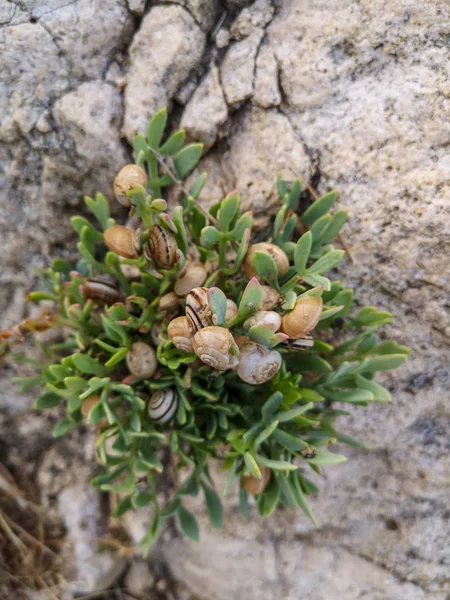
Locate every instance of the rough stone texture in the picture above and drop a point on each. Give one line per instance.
(353, 95)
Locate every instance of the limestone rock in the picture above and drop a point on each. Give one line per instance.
(250, 19)
(266, 93)
(166, 48)
(204, 12)
(237, 68)
(206, 111)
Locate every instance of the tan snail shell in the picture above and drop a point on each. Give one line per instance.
(126, 179)
(253, 485)
(303, 317)
(89, 404)
(241, 340)
(198, 311)
(278, 255)
(192, 277)
(264, 318)
(232, 310)
(270, 297)
(257, 363)
(156, 333)
(162, 405)
(162, 247)
(179, 333)
(122, 241)
(141, 360)
(101, 290)
(216, 348)
(169, 306)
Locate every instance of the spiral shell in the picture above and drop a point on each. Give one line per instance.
(169, 306)
(141, 360)
(232, 310)
(216, 348)
(257, 364)
(162, 405)
(162, 247)
(280, 258)
(253, 485)
(198, 311)
(264, 318)
(192, 277)
(126, 179)
(101, 290)
(122, 241)
(179, 333)
(270, 297)
(303, 317)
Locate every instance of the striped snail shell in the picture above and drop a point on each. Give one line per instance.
(216, 348)
(198, 311)
(193, 276)
(162, 405)
(253, 485)
(141, 360)
(270, 297)
(302, 319)
(257, 364)
(162, 247)
(101, 290)
(122, 241)
(126, 179)
(179, 333)
(278, 255)
(264, 318)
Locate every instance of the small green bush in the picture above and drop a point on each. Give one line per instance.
(266, 414)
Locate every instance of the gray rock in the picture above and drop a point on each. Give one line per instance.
(250, 19)
(204, 12)
(166, 48)
(266, 93)
(238, 66)
(139, 578)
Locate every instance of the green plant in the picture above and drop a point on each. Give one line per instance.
(267, 413)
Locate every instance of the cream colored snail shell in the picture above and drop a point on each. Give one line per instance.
(122, 241)
(169, 302)
(303, 317)
(162, 405)
(162, 247)
(141, 360)
(264, 318)
(257, 364)
(280, 258)
(156, 333)
(216, 348)
(126, 179)
(179, 333)
(231, 311)
(198, 311)
(192, 277)
(253, 485)
(270, 297)
(101, 290)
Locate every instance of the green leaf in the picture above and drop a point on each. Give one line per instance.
(380, 394)
(63, 427)
(265, 267)
(265, 336)
(100, 209)
(181, 236)
(391, 348)
(156, 128)
(173, 144)
(214, 506)
(290, 442)
(141, 499)
(383, 363)
(350, 396)
(47, 400)
(346, 439)
(244, 222)
(211, 235)
(319, 207)
(290, 298)
(252, 466)
(282, 187)
(369, 315)
(326, 262)
(327, 313)
(87, 364)
(271, 405)
(324, 457)
(301, 254)
(317, 281)
(117, 357)
(265, 433)
(269, 499)
(189, 525)
(243, 502)
(276, 465)
(250, 301)
(288, 415)
(294, 194)
(115, 332)
(186, 160)
(229, 208)
(171, 508)
(299, 497)
(334, 227)
(218, 304)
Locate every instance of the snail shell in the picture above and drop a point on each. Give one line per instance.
(257, 364)
(303, 317)
(216, 348)
(89, 404)
(162, 247)
(232, 310)
(162, 405)
(179, 333)
(192, 277)
(270, 297)
(141, 360)
(122, 241)
(264, 318)
(156, 333)
(253, 485)
(126, 179)
(101, 290)
(169, 305)
(198, 311)
(280, 258)
(241, 340)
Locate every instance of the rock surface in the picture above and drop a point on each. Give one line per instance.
(359, 103)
